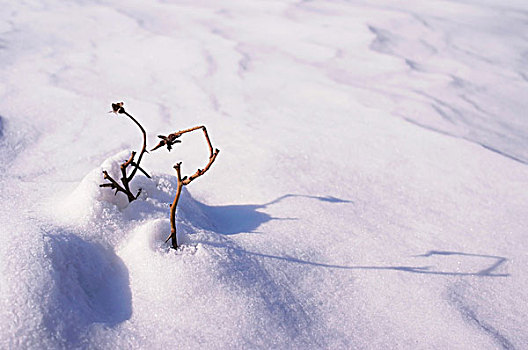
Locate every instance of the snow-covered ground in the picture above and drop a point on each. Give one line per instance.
(371, 190)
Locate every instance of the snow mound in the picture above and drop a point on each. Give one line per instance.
(89, 200)
(90, 205)
(209, 279)
(371, 191)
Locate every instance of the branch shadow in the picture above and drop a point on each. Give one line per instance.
(490, 271)
(499, 260)
(235, 219)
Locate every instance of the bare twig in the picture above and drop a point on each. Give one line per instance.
(174, 240)
(118, 108)
(169, 141)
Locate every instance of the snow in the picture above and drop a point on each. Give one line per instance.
(370, 192)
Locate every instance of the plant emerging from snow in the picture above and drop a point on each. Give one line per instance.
(118, 108)
(167, 141)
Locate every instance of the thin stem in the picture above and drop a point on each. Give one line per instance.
(208, 142)
(114, 185)
(185, 180)
(172, 138)
(173, 237)
(125, 180)
(143, 150)
(200, 172)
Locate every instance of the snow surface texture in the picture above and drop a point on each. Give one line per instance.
(370, 193)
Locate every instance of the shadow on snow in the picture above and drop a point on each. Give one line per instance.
(234, 219)
(489, 271)
(89, 285)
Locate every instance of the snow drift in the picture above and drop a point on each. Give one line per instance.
(370, 194)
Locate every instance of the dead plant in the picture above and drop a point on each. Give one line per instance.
(169, 141)
(118, 108)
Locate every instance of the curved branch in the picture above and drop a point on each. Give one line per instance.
(169, 141)
(125, 180)
(143, 150)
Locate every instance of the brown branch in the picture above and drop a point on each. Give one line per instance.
(174, 240)
(129, 161)
(200, 172)
(209, 142)
(169, 141)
